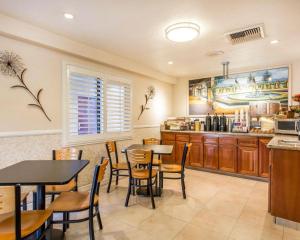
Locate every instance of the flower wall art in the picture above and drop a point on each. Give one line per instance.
(11, 65)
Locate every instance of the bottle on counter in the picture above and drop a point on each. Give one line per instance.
(223, 123)
(197, 125)
(216, 122)
(208, 123)
(202, 126)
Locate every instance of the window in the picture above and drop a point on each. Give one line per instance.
(97, 107)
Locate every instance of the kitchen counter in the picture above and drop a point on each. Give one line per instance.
(286, 142)
(222, 133)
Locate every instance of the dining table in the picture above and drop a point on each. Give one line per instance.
(39, 173)
(157, 150)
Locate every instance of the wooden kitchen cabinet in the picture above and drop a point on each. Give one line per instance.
(228, 154)
(247, 160)
(264, 157)
(196, 153)
(211, 156)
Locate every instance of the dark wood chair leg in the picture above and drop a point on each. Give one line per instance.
(99, 218)
(183, 187)
(133, 186)
(68, 218)
(52, 197)
(24, 204)
(149, 181)
(109, 183)
(117, 178)
(128, 193)
(91, 225)
(65, 218)
(34, 203)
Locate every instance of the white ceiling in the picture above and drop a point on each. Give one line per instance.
(134, 29)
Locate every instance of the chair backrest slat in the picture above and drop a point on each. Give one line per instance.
(153, 141)
(67, 154)
(7, 199)
(139, 156)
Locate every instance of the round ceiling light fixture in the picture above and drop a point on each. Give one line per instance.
(69, 16)
(182, 32)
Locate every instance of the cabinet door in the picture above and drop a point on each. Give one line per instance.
(248, 160)
(228, 158)
(179, 152)
(264, 157)
(169, 159)
(211, 156)
(196, 155)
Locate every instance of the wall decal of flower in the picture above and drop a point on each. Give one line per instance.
(11, 65)
(148, 96)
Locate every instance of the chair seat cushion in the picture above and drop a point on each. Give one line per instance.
(142, 173)
(120, 166)
(171, 168)
(72, 202)
(61, 188)
(31, 221)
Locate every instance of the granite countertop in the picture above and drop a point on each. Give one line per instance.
(223, 133)
(286, 142)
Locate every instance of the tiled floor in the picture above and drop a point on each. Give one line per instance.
(217, 207)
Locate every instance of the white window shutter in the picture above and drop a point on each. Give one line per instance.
(118, 107)
(85, 105)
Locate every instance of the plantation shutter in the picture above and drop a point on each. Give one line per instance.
(85, 105)
(118, 107)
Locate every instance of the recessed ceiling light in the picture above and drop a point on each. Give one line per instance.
(182, 32)
(274, 41)
(170, 62)
(68, 16)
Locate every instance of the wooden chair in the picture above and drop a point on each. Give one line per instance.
(71, 202)
(176, 169)
(115, 168)
(17, 224)
(137, 157)
(64, 154)
(153, 141)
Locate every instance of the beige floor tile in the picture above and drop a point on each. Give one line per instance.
(214, 221)
(161, 226)
(291, 234)
(192, 232)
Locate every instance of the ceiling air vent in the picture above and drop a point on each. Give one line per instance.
(246, 34)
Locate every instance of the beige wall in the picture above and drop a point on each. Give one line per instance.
(180, 90)
(45, 71)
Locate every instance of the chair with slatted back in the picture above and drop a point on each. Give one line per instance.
(176, 169)
(137, 157)
(153, 141)
(64, 154)
(74, 202)
(31, 221)
(116, 167)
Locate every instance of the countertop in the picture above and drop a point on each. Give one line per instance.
(286, 142)
(223, 133)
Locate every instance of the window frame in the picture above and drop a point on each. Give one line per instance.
(71, 140)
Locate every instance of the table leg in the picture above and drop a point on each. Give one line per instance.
(18, 211)
(41, 205)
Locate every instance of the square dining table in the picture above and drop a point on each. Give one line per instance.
(40, 173)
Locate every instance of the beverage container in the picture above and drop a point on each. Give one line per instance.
(216, 123)
(208, 123)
